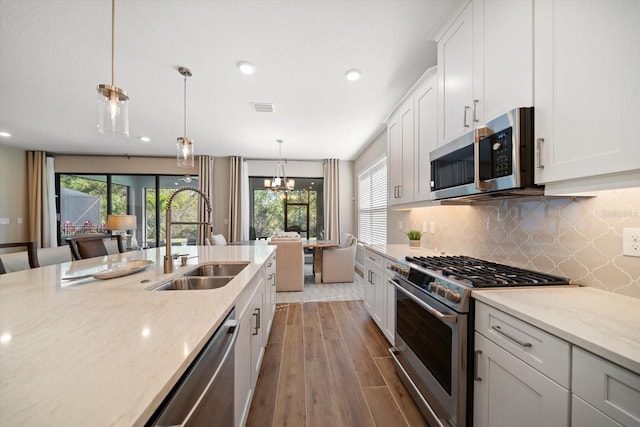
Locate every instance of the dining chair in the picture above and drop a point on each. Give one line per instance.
(17, 261)
(52, 256)
(90, 246)
(338, 264)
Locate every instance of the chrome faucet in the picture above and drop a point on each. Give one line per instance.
(168, 259)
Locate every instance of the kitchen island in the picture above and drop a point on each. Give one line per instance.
(106, 352)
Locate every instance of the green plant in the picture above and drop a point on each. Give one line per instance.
(414, 234)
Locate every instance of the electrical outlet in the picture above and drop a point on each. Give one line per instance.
(432, 227)
(424, 227)
(400, 225)
(631, 242)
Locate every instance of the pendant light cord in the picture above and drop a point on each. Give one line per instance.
(113, 42)
(185, 106)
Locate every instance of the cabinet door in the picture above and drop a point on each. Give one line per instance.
(370, 261)
(587, 106)
(242, 369)
(502, 57)
(455, 73)
(389, 329)
(400, 138)
(269, 297)
(256, 314)
(426, 129)
(379, 297)
(508, 392)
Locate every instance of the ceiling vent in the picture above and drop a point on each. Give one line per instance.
(262, 107)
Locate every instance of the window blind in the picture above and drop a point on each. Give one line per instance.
(372, 204)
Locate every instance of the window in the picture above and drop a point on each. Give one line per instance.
(372, 204)
(85, 201)
(299, 210)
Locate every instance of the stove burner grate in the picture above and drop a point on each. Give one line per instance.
(483, 274)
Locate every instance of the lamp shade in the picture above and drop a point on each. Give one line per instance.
(121, 222)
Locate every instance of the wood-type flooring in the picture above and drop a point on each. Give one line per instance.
(327, 364)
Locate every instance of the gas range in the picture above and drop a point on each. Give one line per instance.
(450, 279)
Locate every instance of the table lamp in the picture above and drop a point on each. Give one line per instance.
(124, 223)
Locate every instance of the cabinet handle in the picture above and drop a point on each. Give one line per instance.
(539, 142)
(464, 121)
(273, 281)
(476, 356)
(475, 108)
(269, 265)
(257, 314)
(512, 338)
(399, 191)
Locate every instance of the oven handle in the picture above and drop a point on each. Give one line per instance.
(446, 318)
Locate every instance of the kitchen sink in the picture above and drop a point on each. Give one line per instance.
(194, 283)
(206, 276)
(217, 269)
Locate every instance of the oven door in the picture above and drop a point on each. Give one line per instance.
(430, 352)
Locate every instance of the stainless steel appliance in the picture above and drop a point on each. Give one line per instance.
(495, 160)
(433, 323)
(204, 396)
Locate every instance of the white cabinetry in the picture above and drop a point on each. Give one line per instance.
(455, 78)
(255, 308)
(269, 296)
(604, 394)
(587, 107)
(400, 148)
(485, 61)
(521, 373)
(411, 136)
(379, 295)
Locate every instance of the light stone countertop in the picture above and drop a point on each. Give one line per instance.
(400, 251)
(601, 322)
(106, 352)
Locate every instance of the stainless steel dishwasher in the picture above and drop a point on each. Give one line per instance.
(204, 396)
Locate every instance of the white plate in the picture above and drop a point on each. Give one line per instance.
(128, 268)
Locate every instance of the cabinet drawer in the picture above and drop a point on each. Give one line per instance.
(585, 415)
(372, 258)
(609, 388)
(541, 350)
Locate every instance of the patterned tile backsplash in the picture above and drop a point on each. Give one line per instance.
(579, 238)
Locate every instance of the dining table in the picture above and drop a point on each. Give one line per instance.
(318, 246)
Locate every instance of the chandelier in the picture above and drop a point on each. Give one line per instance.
(185, 145)
(279, 182)
(113, 110)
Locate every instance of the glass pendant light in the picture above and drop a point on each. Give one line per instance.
(185, 145)
(279, 182)
(113, 108)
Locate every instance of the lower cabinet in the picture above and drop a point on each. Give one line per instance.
(508, 392)
(379, 294)
(255, 308)
(525, 376)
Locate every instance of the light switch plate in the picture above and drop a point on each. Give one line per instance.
(400, 225)
(432, 227)
(631, 242)
(424, 227)
(5, 221)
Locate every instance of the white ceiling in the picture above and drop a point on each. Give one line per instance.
(53, 54)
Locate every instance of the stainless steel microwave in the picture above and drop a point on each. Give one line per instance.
(494, 161)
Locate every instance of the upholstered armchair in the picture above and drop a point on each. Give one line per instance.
(290, 264)
(338, 264)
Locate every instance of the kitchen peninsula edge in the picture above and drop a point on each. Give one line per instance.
(107, 352)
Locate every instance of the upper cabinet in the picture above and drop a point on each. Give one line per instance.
(485, 64)
(587, 94)
(455, 72)
(502, 57)
(411, 136)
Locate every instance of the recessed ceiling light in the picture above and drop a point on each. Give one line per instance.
(5, 134)
(246, 67)
(353, 74)
(144, 139)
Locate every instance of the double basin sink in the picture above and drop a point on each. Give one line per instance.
(206, 276)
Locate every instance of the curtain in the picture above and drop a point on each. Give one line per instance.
(332, 199)
(236, 175)
(205, 184)
(244, 234)
(41, 200)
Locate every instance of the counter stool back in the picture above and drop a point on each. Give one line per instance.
(84, 247)
(17, 261)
